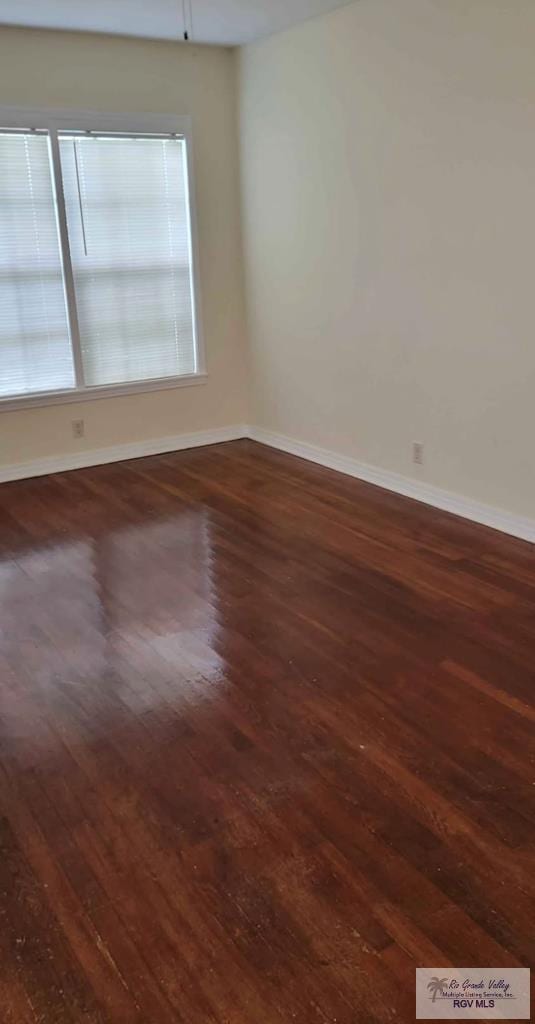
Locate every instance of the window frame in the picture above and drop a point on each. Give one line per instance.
(55, 121)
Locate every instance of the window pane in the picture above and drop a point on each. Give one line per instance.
(128, 218)
(35, 349)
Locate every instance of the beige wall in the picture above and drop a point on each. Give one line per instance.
(388, 179)
(113, 74)
(388, 166)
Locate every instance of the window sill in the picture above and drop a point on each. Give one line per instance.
(93, 394)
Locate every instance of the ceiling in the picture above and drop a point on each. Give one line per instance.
(229, 22)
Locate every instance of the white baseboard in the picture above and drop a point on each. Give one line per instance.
(496, 518)
(118, 453)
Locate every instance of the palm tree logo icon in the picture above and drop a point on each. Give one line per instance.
(436, 985)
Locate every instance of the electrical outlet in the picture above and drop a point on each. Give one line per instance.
(418, 453)
(78, 428)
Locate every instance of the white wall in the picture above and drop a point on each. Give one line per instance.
(388, 166)
(113, 74)
(388, 179)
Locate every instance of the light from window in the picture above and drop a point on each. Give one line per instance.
(129, 239)
(35, 346)
(127, 250)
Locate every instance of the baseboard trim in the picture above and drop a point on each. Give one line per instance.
(119, 453)
(486, 515)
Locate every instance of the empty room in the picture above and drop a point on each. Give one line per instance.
(267, 511)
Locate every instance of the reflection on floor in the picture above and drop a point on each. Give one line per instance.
(267, 744)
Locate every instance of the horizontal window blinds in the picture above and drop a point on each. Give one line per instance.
(35, 347)
(129, 235)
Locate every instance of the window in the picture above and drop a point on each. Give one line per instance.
(96, 261)
(35, 346)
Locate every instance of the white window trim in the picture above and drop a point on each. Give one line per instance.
(56, 120)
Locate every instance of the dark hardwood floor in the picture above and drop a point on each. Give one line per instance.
(267, 744)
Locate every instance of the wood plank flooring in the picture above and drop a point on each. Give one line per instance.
(267, 744)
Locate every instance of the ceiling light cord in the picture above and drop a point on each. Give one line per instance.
(187, 16)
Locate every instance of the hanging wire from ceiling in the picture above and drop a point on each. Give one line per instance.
(187, 16)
